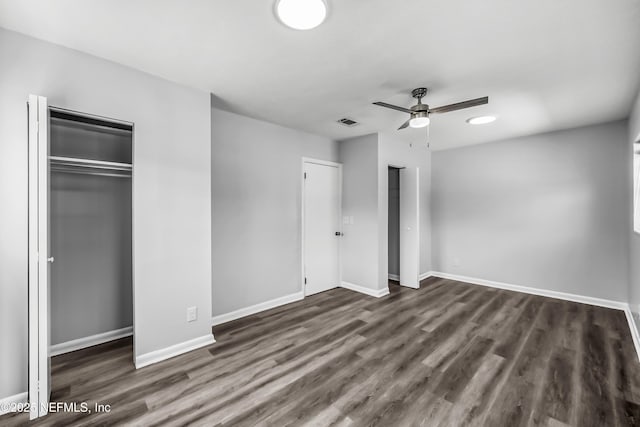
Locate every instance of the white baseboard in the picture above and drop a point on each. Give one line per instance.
(367, 291)
(423, 276)
(7, 402)
(394, 277)
(80, 343)
(257, 308)
(633, 328)
(535, 291)
(174, 350)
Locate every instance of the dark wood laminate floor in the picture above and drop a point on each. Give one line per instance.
(448, 354)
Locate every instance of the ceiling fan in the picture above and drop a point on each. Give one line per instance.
(420, 112)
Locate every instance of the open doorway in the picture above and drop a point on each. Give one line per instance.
(394, 226)
(403, 226)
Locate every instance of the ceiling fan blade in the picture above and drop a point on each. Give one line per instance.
(460, 105)
(404, 125)
(393, 107)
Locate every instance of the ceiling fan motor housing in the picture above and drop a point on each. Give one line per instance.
(419, 92)
(420, 108)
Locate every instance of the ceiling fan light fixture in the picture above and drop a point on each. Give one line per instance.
(419, 122)
(301, 14)
(481, 120)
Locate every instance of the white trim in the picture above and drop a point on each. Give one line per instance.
(600, 302)
(257, 308)
(321, 162)
(394, 277)
(377, 293)
(44, 283)
(173, 350)
(633, 328)
(423, 276)
(302, 216)
(7, 402)
(80, 343)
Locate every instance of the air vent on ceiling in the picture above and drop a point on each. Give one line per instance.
(347, 122)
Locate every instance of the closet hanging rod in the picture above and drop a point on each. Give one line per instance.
(93, 173)
(87, 163)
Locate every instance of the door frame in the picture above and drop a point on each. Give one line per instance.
(302, 216)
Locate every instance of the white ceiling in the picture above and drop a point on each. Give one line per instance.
(545, 64)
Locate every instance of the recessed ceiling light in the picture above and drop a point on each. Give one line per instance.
(481, 120)
(301, 14)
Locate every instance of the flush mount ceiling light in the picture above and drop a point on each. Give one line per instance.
(481, 120)
(301, 14)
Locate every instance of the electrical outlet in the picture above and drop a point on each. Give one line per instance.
(192, 314)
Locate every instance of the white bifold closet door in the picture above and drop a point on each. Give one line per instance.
(38, 258)
(410, 227)
(321, 227)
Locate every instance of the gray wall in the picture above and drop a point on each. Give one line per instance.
(171, 190)
(548, 211)
(392, 151)
(394, 221)
(90, 227)
(257, 196)
(634, 247)
(360, 243)
(366, 161)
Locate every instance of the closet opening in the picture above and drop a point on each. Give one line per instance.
(90, 232)
(394, 225)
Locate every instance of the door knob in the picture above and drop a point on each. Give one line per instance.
(50, 259)
(338, 233)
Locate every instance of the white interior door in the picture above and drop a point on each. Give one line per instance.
(410, 227)
(39, 260)
(321, 227)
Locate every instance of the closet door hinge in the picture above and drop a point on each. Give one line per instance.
(305, 175)
(305, 280)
